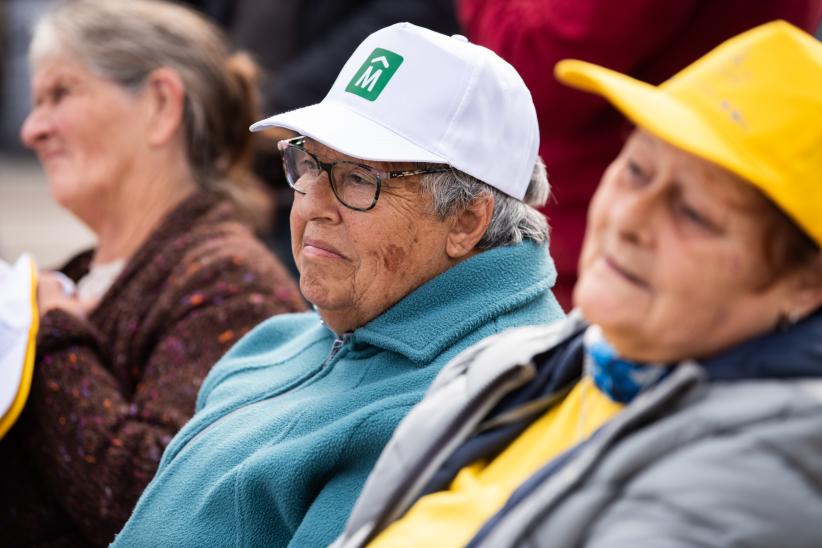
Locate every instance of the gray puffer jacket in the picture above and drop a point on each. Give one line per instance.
(726, 452)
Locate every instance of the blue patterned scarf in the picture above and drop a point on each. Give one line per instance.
(621, 380)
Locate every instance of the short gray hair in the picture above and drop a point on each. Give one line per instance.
(512, 221)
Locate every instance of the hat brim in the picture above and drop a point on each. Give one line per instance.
(660, 113)
(350, 133)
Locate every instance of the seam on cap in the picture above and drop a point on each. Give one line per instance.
(535, 138)
(526, 171)
(472, 81)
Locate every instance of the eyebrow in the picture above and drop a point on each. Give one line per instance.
(740, 199)
(58, 77)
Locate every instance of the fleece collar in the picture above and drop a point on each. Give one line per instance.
(460, 300)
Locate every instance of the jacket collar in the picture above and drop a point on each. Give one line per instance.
(461, 299)
(795, 352)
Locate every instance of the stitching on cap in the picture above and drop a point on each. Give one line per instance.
(472, 81)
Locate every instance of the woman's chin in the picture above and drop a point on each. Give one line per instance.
(606, 304)
(315, 291)
(66, 196)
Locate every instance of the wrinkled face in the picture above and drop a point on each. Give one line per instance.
(356, 264)
(672, 265)
(84, 130)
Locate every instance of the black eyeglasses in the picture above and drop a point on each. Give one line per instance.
(356, 186)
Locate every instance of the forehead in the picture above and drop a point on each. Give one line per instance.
(55, 69)
(328, 154)
(697, 174)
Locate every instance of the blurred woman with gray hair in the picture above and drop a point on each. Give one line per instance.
(139, 120)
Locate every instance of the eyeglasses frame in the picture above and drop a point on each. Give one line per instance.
(299, 142)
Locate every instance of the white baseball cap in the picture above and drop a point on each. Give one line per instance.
(409, 94)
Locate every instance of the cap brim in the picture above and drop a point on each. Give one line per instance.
(650, 108)
(350, 133)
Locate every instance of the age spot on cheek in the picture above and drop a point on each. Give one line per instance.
(393, 257)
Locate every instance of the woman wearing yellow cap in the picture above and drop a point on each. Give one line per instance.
(681, 403)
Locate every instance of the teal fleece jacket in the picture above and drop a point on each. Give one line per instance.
(290, 422)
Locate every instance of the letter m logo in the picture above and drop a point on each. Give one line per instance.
(374, 74)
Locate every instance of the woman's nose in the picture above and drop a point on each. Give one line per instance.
(35, 128)
(633, 214)
(318, 200)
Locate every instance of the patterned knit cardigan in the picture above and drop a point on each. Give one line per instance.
(109, 392)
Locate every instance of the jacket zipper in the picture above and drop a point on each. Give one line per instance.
(338, 343)
(325, 368)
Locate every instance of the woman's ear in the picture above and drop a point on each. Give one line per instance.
(805, 293)
(166, 97)
(469, 227)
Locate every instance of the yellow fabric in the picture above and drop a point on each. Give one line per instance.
(7, 420)
(452, 517)
(752, 106)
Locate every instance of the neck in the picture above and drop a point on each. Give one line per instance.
(339, 323)
(134, 213)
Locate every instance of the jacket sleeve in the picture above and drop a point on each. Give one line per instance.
(309, 76)
(328, 511)
(754, 489)
(96, 442)
(533, 35)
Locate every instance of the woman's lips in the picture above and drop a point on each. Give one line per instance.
(318, 248)
(629, 276)
(50, 155)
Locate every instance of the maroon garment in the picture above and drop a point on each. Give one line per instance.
(109, 392)
(581, 133)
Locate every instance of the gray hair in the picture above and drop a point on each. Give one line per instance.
(124, 41)
(512, 221)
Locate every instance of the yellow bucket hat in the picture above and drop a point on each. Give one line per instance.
(753, 105)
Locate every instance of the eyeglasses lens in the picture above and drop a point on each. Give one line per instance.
(300, 168)
(354, 185)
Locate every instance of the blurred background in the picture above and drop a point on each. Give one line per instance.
(29, 220)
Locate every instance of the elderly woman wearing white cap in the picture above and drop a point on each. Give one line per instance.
(681, 405)
(414, 240)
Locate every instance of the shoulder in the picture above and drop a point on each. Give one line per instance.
(204, 230)
(721, 418)
(225, 244)
(278, 334)
(288, 340)
(732, 463)
(224, 258)
(508, 349)
(728, 410)
(742, 457)
(777, 419)
(727, 434)
(376, 426)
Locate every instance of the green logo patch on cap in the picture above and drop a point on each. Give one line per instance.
(374, 74)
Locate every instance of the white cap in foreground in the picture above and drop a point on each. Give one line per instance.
(409, 94)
